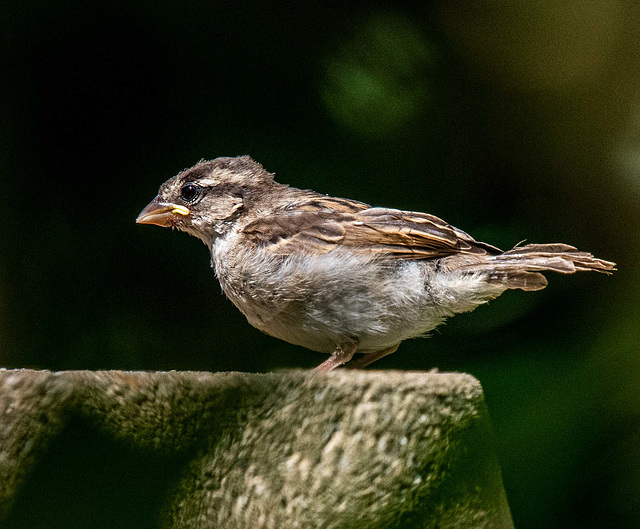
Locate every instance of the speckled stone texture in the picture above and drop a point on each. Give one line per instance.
(346, 449)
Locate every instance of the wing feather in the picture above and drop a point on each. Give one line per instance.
(320, 225)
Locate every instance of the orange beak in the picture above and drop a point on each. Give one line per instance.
(161, 213)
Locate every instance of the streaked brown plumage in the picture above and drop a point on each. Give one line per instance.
(336, 275)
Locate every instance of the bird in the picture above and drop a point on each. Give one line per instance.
(336, 275)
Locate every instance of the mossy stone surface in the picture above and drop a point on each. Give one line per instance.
(185, 450)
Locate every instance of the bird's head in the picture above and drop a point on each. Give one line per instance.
(206, 199)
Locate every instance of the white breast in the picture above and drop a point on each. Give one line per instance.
(322, 301)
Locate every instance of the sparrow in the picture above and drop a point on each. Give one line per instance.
(336, 275)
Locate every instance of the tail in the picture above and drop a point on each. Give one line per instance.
(520, 267)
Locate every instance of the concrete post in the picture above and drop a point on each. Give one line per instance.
(185, 450)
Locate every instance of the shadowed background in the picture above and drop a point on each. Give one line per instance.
(510, 120)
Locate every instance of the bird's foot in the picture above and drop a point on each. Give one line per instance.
(340, 356)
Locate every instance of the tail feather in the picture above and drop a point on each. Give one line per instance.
(520, 267)
(517, 279)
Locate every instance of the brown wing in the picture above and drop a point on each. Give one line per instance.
(324, 224)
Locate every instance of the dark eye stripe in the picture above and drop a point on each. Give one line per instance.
(190, 192)
(226, 189)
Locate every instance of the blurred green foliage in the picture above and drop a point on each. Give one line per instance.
(510, 120)
(375, 81)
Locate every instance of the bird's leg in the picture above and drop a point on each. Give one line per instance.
(341, 355)
(371, 357)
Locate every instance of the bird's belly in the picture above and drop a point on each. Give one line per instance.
(323, 329)
(287, 321)
(321, 302)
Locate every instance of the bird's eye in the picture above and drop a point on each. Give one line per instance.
(190, 192)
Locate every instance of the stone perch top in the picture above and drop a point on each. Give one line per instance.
(184, 450)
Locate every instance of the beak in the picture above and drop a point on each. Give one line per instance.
(161, 213)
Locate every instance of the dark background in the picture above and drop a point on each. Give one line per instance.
(511, 120)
